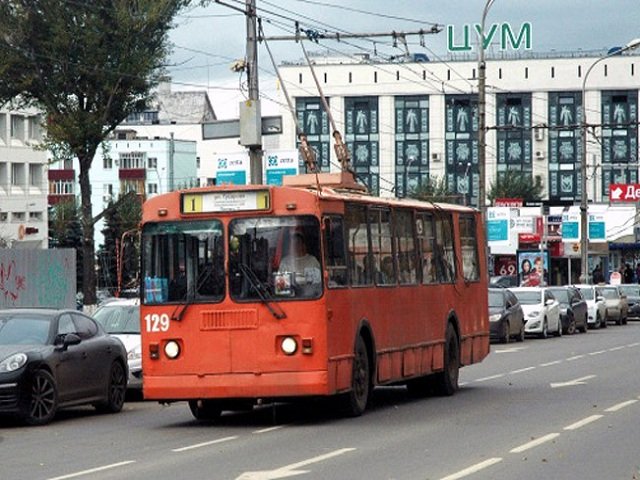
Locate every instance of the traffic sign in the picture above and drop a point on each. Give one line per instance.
(624, 192)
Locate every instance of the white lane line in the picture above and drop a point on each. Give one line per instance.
(616, 348)
(548, 364)
(492, 377)
(203, 444)
(571, 359)
(620, 406)
(473, 469)
(462, 384)
(513, 372)
(270, 429)
(583, 422)
(599, 352)
(631, 345)
(93, 470)
(535, 443)
(290, 470)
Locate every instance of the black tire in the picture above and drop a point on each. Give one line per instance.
(619, 320)
(585, 325)
(545, 329)
(116, 390)
(598, 322)
(571, 328)
(205, 410)
(446, 382)
(43, 402)
(356, 400)
(506, 332)
(605, 320)
(558, 332)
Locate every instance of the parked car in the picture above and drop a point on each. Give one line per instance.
(504, 281)
(50, 359)
(541, 311)
(573, 309)
(632, 291)
(506, 318)
(596, 306)
(121, 318)
(616, 303)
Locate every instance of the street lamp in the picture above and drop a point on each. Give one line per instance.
(482, 131)
(584, 220)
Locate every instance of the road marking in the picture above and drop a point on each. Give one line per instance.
(473, 469)
(620, 406)
(550, 363)
(615, 349)
(290, 470)
(492, 377)
(93, 470)
(513, 372)
(270, 429)
(203, 444)
(599, 352)
(583, 422)
(510, 350)
(571, 359)
(631, 345)
(535, 443)
(572, 383)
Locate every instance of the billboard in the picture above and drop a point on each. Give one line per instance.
(533, 268)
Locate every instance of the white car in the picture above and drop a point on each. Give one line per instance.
(541, 311)
(120, 317)
(597, 316)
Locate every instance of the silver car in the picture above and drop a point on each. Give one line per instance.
(596, 306)
(616, 303)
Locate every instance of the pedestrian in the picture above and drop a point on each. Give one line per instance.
(598, 276)
(628, 273)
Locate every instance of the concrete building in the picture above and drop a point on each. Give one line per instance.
(23, 180)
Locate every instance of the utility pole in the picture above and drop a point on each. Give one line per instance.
(250, 115)
(482, 117)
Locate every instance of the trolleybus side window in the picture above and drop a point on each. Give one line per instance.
(335, 252)
(468, 244)
(405, 246)
(443, 248)
(381, 247)
(426, 239)
(360, 271)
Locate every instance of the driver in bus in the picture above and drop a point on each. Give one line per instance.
(304, 266)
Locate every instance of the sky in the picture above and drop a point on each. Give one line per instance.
(207, 40)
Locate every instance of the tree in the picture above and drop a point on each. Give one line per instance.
(87, 65)
(435, 190)
(513, 184)
(65, 231)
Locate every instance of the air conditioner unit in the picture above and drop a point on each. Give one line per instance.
(539, 133)
(539, 155)
(435, 157)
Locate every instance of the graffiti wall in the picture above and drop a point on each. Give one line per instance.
(38, 278)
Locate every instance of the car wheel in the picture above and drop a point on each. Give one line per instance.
(619, 320)
(446, 382)
(205, 410)
(598, 322)
(356, 400)
(558, 332)
(116, 390)
(624, 320)
(43, 403)
(571, 328)
(506, 334)
(585, 325)
(605, 320)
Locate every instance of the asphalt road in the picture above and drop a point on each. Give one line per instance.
(562, 408)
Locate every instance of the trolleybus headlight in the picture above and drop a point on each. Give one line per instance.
(172, 349)
(289, 345)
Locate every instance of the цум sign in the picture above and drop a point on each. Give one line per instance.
(504, 30)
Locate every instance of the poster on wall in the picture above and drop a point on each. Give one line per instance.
(232, 168)
(280, 163)
(533, 268)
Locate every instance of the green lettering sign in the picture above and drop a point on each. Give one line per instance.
(523, 36)
(465, 47)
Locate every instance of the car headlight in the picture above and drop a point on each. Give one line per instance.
(172, 349)
(135, 353)
(495, 317)
(13, 363)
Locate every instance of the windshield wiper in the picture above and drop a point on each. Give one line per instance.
(262, 291)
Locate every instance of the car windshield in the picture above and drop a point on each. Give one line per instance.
(561, 294)
(631, 290)
(496, 299)
(119, 318)
(609, 293)
(528, 298)
(587, 293)
(24, 329)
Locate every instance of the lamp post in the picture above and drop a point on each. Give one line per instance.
(584, 219)
(482, 130)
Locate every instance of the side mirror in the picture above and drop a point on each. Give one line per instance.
(549, 302)
(599, 299)
(68, 340)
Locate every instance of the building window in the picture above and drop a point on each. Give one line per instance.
(152, 163)
(514, 132)
(17, 174)
(3, 174)
(61, 187)
(107, 163)
(18, 217)
(565, 147)
(315, 123)
(35, 175)
(35, 216)
(4, 217)
(363, 140)
(461, 123)
(152, 188)
(412, 144)
(17, 127)
(130, 160)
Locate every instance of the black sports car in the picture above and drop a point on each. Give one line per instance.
(51, 359)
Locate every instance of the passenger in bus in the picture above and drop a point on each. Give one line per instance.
(178, 285)
(303, 265)
(387, 275)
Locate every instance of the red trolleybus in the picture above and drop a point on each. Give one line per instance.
(264, 293)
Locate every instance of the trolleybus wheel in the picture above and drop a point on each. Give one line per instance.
(355, 401)
(446, 382)
(205, 409)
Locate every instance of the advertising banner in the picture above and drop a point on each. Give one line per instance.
(533, 268)
(280, 163)
(232, 168)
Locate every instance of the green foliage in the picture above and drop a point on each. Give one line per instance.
(86, 65)
(65, 231)
(435, 190)
(513, 184)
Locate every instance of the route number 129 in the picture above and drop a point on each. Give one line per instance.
(156, 323)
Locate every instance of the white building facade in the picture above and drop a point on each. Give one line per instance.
(23, 181)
